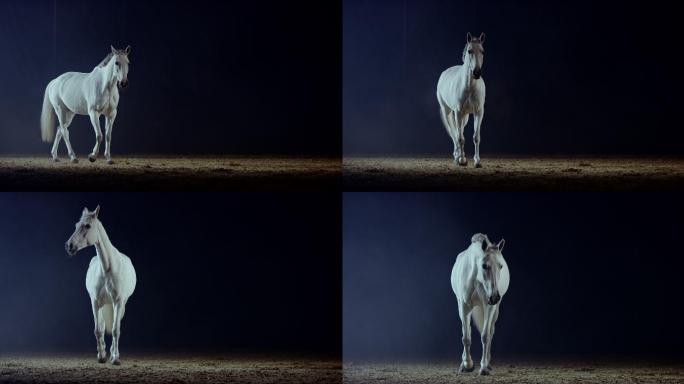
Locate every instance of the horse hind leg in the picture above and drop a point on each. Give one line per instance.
(460, 122)
(444, 113)
(65, 117)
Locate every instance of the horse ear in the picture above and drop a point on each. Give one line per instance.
(501, 244)
(469, 37)
(482, 36)
(128, 50)
(113, 49)
(85, 211)
(96, 212)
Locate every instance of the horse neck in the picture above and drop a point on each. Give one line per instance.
(468, 80)
(109, 256)
(107, 73)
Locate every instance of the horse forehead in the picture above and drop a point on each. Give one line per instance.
(476, 45)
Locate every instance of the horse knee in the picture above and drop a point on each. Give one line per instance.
(476, 139)
(109, 136)
(485, 337)
(116, 332)
(466, 341)
(98, 334)
(98, 137)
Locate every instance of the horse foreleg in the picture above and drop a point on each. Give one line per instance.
(95, 121)
(465, 312)
(109, 124)
(476, 137)
(99, 333)
(461, 121)
(495, 316)
(486, 338)
(119, 309)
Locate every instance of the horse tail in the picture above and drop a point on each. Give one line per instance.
(47, 119)
(105, 318)
(478, 318)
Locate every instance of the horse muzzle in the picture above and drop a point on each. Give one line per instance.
(70, 250)
(123, 83)
(477, 73)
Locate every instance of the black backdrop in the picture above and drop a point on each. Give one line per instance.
(249, 77)
(230, 273)
(563, 77)
(591, 274)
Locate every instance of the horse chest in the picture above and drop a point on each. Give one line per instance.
(107, 101)
(469, 101)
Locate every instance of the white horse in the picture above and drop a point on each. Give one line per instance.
(460, 92)
(93, 94)
(479, 279)
(110, 281)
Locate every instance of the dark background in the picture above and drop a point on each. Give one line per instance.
(591, 274)
(563, 77)
(238, 77)
(229, 273)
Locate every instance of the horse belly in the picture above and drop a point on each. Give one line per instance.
(71, 94)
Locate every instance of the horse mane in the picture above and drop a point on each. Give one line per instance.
(475, 40)
(104, 61)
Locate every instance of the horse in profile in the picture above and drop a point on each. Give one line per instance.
(480, 279)
(110, 281)
(93, 94)
(460, 93)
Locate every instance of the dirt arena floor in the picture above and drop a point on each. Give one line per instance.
(37, 173)
(516, 373)
(514, 174)
(142, 369)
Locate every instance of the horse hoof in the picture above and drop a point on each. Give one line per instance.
(464, 369)
(116, 362)
(101, 360)
(92, 158)
(478, 165)
(110, 161)
(55, 159)
(74, 160)
(484, 372)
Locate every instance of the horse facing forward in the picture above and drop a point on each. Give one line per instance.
(460, 92)
(93, 94)
(110, 281)
(479, 279)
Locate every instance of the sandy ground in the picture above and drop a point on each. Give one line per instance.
(554, 373)
(141, 369)
(514, 174)
(170, 173)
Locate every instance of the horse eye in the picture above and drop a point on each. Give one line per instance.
(485, 266)
(87, 226)
(117, 63)
(470, 51)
